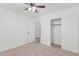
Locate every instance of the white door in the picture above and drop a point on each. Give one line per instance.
(31, 32)
(56, 34)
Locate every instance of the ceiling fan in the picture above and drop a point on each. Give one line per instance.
(33, 7)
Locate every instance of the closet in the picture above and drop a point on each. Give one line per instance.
(56, 31)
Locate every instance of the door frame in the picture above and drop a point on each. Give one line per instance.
(51, 27)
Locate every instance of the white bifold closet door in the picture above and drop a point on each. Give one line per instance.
(56, 32)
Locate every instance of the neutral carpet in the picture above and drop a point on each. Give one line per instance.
(37, 49)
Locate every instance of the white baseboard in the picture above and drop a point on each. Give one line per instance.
(45, 43)
(71, 50)
(14, 46)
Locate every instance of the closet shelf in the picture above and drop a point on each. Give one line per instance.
(55, 24)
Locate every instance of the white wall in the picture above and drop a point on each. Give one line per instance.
(14, 28)
(69, 28)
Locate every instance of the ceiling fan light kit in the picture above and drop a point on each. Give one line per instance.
(29, 8)
(33, 7)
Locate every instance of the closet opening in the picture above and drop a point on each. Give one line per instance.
(56, 32)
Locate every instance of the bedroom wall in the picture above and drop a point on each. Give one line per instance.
(14, 28)
(69, 28)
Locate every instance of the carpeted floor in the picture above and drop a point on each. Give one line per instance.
(37, 49)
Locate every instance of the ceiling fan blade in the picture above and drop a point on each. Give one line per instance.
(32, 4)
(26, 9)
(27, 3)
(42, 6)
